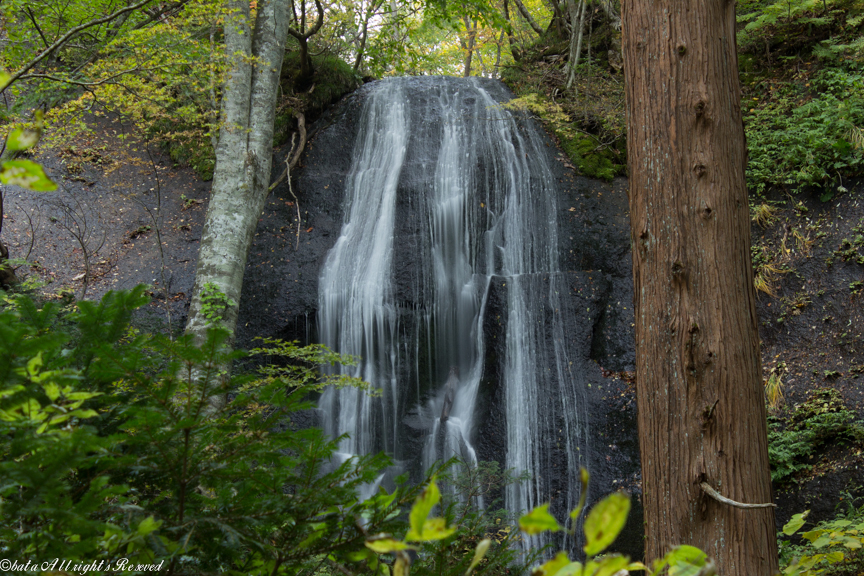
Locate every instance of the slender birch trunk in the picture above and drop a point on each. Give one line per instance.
(576, 13)
(243, 158)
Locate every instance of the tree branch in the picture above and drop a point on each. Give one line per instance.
(71, 34)
(723, 500)
(292, 159)
(528, 18)
(84, 83)
(35, 25)
(312, 31)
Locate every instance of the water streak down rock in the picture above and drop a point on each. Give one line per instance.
(486, 226)
(481, 208)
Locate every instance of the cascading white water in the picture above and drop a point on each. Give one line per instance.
(473, 180)
(356, 314)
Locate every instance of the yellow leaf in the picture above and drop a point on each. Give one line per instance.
(605, 522)
(552, 567)
(384, 544)
(433, 529)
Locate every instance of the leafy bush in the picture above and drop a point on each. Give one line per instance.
(110, 450)
(589, 154)
(796, 139)
(601, 527)
(823, 418)
(833, 544)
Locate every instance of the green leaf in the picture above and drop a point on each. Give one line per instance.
(400, 567)
(384, 544)
(34, 364)
(26, 174)
(538, 520)
(423, 506)
(552, 567)
(686, 561)
(610, 565)
(479, 554)
(834, 557)
(812, 535)
(4, 79)
(21, 139)
(605, 522)
(572, 569)
(318, 530)
(52, 390)
(852, 543)
(795, 523)
(148, 525)
(433, 529)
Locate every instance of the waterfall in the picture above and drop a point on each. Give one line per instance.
(443, 176)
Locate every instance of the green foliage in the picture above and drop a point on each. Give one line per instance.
(592, 157)
(851, 249)
(214, 303)
(833, 545)
(333, 79)
(162, 74)
(289, 361)
(459, 537)
(789, 24)
(802, 65)
(821, 420)
(799, 139)
(110, 449)
(602, 526)
(22, 172)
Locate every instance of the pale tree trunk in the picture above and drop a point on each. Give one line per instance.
(243, 157)
(699, 386)
(576, 13)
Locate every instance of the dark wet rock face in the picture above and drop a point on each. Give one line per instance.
(582, 319)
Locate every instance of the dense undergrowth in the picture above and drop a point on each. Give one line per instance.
(802, 71)
(795, 441)
(112, 448)
(802, 67)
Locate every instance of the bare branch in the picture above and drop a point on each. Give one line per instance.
(36, 25)
(312, 31)
(723, 500)
(294, 153)
(84, 83)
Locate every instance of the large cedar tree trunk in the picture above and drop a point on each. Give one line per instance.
(243, 156)
(699, 385)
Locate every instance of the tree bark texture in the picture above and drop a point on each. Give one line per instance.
(699, 386)
(577, 13)
(243, 157)
(468, 44)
